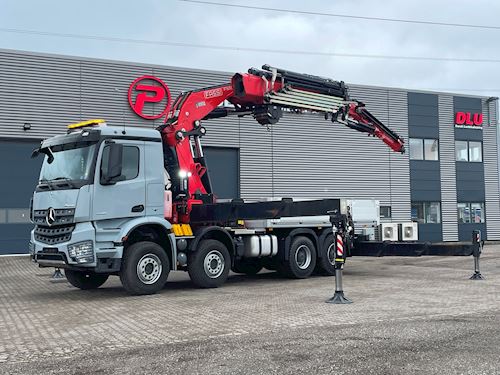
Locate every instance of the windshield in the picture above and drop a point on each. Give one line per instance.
(69, 163)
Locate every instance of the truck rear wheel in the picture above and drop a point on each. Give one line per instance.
(301, 259)
(326, 263)
(247, 266)
(145, 268)
(208, 266)
(85, 280)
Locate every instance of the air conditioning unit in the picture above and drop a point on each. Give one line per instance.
(389, 231)
(408, 231)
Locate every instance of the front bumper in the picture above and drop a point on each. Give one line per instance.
(106, 256)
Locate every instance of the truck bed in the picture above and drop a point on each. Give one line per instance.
(227, 213)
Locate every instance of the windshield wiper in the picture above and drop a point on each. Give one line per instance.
(66, 180)
(46, 182)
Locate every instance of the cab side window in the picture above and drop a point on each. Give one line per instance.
(130, 162)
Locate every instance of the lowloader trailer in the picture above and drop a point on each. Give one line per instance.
(138, 203)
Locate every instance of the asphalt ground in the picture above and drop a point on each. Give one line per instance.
(409, 316)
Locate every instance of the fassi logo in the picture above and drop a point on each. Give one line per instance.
(149, 90)
(467, 118)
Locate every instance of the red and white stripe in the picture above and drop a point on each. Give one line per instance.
(340, 246)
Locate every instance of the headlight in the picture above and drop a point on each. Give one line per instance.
(82, 252)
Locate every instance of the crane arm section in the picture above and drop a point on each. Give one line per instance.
(264, 94)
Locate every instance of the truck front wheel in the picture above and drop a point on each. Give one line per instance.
(208, 265)
(85, 280)
(145, 268)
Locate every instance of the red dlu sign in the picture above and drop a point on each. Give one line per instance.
(468, 119)
(149, 92)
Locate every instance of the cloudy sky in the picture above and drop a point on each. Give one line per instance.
(184, 22)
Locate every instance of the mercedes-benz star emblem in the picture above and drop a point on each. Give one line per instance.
(51, 216)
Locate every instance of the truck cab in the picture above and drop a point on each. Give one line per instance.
(99, 187)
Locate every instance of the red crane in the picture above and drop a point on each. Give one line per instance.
(265, 94)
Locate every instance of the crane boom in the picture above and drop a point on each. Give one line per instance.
(265, 94)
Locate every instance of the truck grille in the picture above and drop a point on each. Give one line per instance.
(62, 216)
(53, 235)
(60, 230)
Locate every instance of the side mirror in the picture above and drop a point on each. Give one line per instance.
(111, 165)
(35, 153)
(46, 151)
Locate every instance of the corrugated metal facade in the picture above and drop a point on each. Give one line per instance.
(448, 168)
(490, 162)
(301, 156)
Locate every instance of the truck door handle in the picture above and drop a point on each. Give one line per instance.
(138, 208)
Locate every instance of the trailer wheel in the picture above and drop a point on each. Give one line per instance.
(247, 266)
(301, 259)
(326, 263)
(85, 280)
(209, 265)
(145, 268)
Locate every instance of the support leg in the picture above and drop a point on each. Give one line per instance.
(338, 297)
(476, 240)
(57, 276)
(477, 273)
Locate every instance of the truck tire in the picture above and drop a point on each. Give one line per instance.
(247, 266)
(145, 268)
(209, 264)
(85, 280)
(326, 262)
(301, 259)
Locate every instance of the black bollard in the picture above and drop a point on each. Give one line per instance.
(476, 240)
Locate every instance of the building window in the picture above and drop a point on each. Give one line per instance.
(431, 149)
(476, 152)
(462, 152)
(426, 212)
(416, 149)
(470, 213)
(469, 151)
(385, 212)
(424, 149)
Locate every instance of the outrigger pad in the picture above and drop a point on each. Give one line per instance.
(477, 276)
(339, 299)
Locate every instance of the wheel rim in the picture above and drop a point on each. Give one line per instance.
(330, 253)
(303, 257)
(149, 269)
(214, 264)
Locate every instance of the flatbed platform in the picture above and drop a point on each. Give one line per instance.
(225, 213)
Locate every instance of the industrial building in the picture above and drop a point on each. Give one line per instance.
(448, 180)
